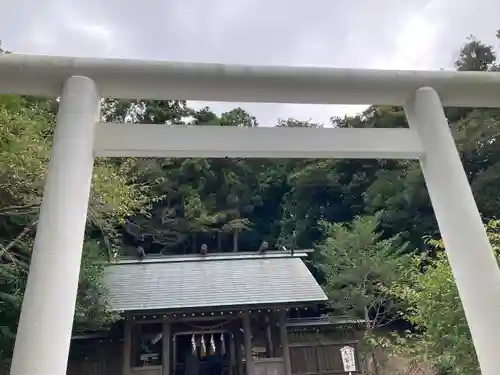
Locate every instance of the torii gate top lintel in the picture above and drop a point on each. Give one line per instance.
(137, 79)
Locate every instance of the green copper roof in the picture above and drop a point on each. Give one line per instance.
(178, 283)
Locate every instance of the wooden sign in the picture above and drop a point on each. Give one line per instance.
(348, 359)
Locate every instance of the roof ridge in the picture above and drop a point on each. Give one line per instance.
(213, 257)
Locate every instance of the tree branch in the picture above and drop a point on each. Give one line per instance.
(14, 210)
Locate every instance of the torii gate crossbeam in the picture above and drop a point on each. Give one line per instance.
(44, 332)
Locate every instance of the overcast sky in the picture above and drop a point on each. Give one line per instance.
(384, 34)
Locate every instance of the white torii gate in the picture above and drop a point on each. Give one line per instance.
(44, 332)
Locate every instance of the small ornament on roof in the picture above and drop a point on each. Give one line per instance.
(263, 247)
(204, 249)
(141, 253)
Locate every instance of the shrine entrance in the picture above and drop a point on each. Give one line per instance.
(203, 353)
(44, 332)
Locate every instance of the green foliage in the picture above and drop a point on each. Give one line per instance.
(476, 56)
(435, 309)
(238, 117)
(26, 127)
(91, 311)
(359, 267)
(12, 283)
(2, 50)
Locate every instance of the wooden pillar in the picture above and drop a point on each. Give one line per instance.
(247, 335)
(269, 338)
(127, 347)
(275, 333)
(166, 348)
(232, 355)
(238, 353)
(284, 343)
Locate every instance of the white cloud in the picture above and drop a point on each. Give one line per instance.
(385, 34)
(94, 31)
(414, 45)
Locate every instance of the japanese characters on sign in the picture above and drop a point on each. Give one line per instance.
(348, 358)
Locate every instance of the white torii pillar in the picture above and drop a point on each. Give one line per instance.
(44, 333)
(469, 252)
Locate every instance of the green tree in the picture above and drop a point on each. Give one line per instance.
(2, 50)
(196, 200)
(26, 129)
(435, 309)
(359, 269)
(238, 117)
(476, 56)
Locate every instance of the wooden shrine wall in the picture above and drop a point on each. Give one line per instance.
(102, 359)
(318, 353)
